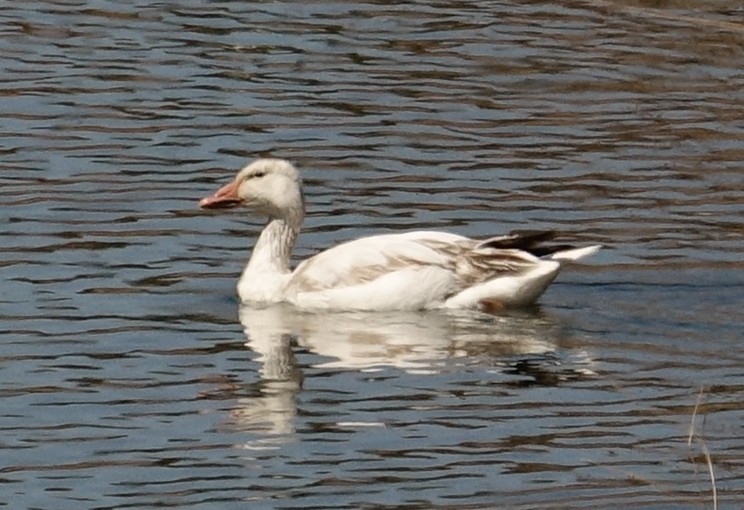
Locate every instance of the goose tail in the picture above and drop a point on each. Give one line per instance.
(574, 253)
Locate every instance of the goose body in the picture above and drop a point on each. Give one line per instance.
(406, 271)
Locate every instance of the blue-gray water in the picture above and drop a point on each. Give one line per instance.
(127, 379)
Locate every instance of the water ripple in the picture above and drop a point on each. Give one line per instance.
(128, 377)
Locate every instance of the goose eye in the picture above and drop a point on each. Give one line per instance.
(258, 175)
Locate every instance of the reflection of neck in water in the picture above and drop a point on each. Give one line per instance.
(420, 342)
(272, 411)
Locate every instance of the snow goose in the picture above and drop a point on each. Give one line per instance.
(404, 271)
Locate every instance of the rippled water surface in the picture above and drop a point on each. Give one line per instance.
(129, 377)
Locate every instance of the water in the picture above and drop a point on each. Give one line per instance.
(127, 378)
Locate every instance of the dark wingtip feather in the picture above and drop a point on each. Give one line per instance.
(527, 240)
(519, 239)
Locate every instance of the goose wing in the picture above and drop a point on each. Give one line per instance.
(366, 259)
(400, 271)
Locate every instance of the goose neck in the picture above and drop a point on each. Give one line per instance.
(273, 249)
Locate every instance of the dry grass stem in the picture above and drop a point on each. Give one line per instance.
(703, 447)
(692, 420)
(712, 474)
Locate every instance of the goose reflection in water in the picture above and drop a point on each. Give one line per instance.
(524, 344)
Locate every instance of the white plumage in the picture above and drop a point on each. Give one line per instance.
(409, 271)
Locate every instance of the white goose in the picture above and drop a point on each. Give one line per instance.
(410, 271)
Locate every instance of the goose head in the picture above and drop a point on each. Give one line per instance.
(269, 187)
